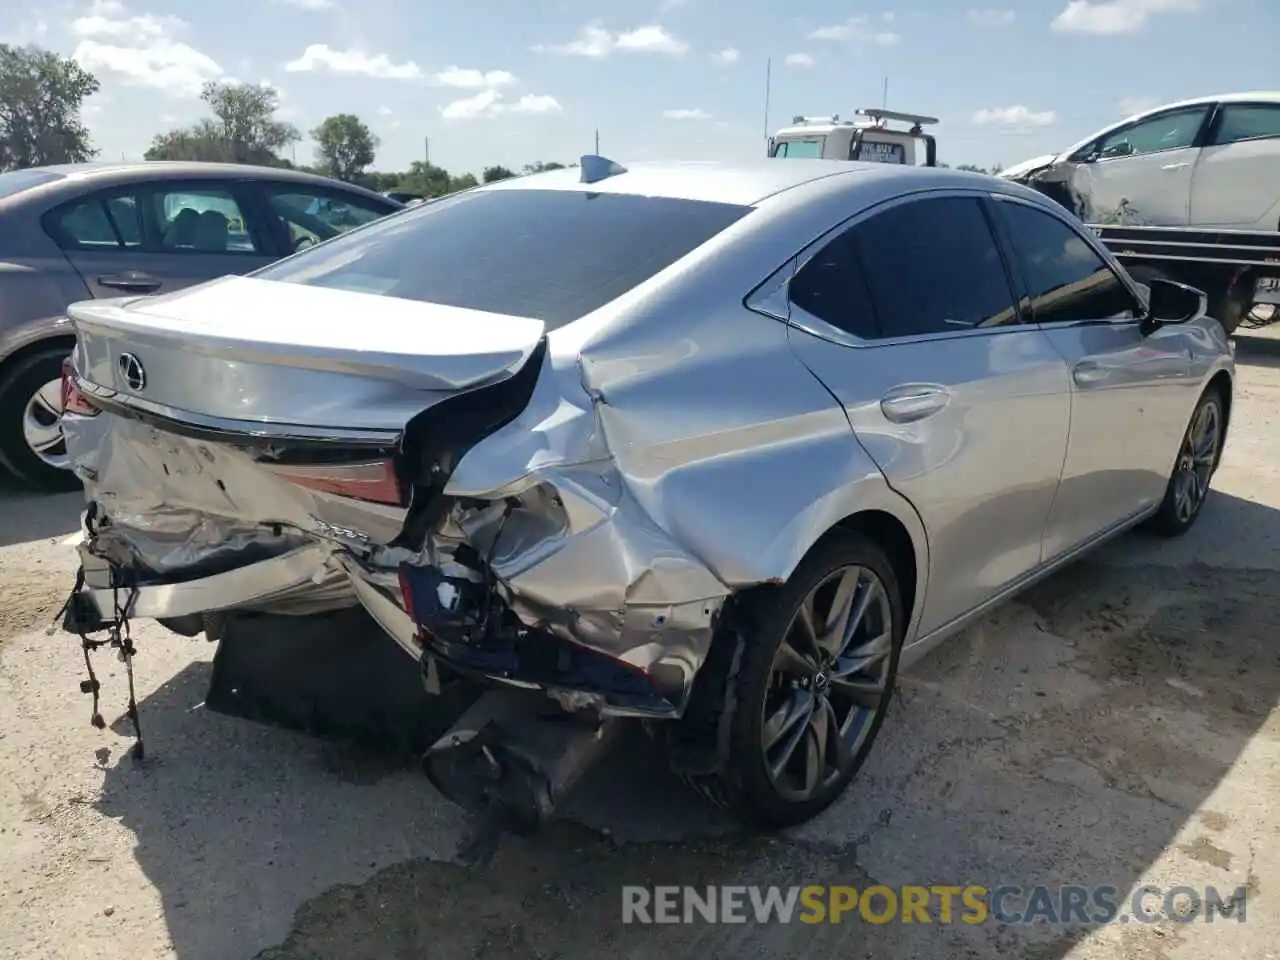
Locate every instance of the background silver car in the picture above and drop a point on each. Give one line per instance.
(110, 230)
(716, 445)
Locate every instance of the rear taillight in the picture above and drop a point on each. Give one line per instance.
(373, 481)
(73, 401)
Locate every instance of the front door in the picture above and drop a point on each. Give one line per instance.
(1236, 184)
(1129, 392)
(1141, 174)
(159, 237)
(909, 319)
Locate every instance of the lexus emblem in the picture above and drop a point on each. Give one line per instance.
(135, 377)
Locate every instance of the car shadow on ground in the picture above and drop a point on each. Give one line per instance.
(30, 515)
(1069, 739)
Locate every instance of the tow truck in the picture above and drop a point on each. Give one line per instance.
(1188, 191)
(868, 139)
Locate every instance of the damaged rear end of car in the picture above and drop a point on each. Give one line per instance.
(289, 444)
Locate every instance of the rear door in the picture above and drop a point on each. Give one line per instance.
(908, 316)
(1130, 392)
(1236, 184)
(157, 237)
(1141, 173)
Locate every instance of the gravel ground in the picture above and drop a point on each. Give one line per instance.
(1116, 725)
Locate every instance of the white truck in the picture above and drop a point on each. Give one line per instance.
(869, 138)
(1189, 191)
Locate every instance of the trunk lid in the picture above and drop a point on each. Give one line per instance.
(241, 350)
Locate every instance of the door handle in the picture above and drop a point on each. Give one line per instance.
(132, 281)
(914, 401)
(1089, 374)
(1175, 166)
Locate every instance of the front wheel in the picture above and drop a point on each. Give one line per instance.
(817, 669)
(1198, 456)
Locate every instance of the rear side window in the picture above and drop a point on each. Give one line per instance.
(1247, 121)
(1066, 279)
(102, 222)
(933, 266)
(552, 254)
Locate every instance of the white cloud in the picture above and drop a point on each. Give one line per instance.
(798, 60)
(320, 57)
(142, 50)
(490, 103)
(309, 4)
(596, 42)
(468, 79)
(1015, 116)
(686, 113)
(650, 39)
(1128, 106)
(386, 112)
(1110, 17)
(992, 17)
(858, 29)
(726, 56)
(537, 103)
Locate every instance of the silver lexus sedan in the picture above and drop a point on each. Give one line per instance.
(718, 446)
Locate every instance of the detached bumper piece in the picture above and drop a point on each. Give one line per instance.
(468, 629)
(510, 760)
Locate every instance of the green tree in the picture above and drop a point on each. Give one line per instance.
(539, 166)
(496, 173)
(40, 98)
(344, 146)
(243, 128)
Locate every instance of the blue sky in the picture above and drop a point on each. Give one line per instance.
(506, 81)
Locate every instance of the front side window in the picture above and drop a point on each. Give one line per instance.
(200, 220)
(311, 216)
(1247, 121)
(551, 254)
(1169, 131)
(1066, 279)
(804, 149)
(104, 222)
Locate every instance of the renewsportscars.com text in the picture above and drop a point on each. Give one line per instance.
(941, 904)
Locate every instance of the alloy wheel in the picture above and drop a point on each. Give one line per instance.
(42, 426)
(829, 679)
(1196, 460)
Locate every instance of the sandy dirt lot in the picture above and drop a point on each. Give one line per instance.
(1118, 725)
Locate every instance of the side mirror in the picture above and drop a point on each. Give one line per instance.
(1171, 302)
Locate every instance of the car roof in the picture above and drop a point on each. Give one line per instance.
(77, 176)
(744, 183)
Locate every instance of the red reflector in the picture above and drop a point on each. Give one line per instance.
(73, 401)
(373, 481)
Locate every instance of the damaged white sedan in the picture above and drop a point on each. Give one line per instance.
(705, 444)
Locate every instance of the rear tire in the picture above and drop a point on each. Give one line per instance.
(808, 704)
(31, 440)
(1198, 457)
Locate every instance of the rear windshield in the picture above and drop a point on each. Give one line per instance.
(551, 254)
(15, 181)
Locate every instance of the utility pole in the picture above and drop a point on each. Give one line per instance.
(426, 152)
(597, 141)
(884, 105)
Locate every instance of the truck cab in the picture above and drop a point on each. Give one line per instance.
(867, 139)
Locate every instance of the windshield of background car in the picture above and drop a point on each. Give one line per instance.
(555, 255)
(804, 149)
(15, 181)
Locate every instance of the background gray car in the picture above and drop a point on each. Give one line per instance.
(82, 231)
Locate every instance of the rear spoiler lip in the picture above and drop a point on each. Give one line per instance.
(197, 426)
